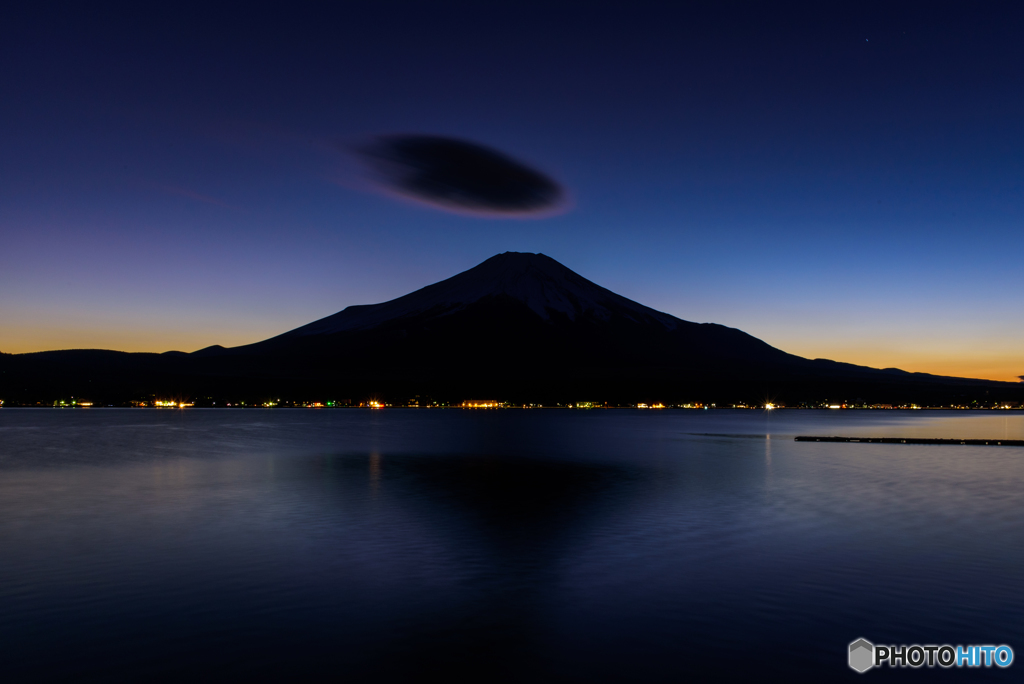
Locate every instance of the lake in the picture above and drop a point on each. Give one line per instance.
(511, 545)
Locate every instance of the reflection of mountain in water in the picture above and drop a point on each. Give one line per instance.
(507, 525)
(520, 506)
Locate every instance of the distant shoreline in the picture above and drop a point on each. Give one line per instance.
(1012, 409)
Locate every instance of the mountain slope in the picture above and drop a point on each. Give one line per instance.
(543, 285)
(525, 325)
(517, 326)
(525, 306)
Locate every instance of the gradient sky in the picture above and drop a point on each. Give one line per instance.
(843, 181)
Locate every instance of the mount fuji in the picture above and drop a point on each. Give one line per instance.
(518, 327)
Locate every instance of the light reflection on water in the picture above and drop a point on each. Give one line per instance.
(511, 545)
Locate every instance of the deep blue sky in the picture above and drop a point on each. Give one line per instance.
(842, 181)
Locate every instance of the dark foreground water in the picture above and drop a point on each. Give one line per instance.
(594, 546)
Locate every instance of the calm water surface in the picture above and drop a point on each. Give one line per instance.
(500, 546)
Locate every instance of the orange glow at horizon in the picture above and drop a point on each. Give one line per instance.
(995, 363)
(157, 341)
(995, 360)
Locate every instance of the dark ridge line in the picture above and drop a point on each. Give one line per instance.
(914, 440)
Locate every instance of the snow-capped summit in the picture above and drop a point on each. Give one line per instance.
(545, 286)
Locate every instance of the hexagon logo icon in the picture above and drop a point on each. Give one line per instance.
(862, 655)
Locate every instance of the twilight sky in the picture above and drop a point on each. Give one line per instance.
(841, 181)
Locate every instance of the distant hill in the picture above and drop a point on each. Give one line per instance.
(519, 327)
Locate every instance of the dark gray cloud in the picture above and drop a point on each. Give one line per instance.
(459, 175)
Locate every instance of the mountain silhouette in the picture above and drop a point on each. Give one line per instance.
(546, 287)
(519, 327)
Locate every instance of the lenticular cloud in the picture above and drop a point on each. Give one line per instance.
(459, 176)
